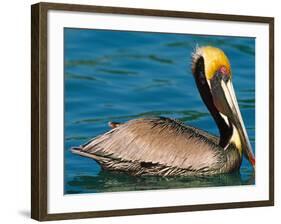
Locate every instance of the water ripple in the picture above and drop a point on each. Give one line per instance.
(108, 181)
(185, 115)
(118, 71)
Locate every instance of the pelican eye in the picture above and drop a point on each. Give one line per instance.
(225, 78)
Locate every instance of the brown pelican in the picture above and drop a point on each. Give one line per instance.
(167, 147)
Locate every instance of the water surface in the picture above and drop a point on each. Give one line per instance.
(117, 76)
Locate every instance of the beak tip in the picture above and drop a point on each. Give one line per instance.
(253, 162)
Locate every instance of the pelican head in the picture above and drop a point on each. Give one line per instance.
(213, 77)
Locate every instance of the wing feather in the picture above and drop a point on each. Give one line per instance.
(159, 140)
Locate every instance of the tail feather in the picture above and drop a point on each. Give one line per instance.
(79, 151)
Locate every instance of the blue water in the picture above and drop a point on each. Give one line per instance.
(118, 76)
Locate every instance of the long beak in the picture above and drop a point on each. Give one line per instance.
(226, 102)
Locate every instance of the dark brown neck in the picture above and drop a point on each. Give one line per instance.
(205, 92)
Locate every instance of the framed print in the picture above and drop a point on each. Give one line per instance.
(138, 111)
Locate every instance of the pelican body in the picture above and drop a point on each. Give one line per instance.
(167, 147)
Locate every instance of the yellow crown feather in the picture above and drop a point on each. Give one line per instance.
(214, 59)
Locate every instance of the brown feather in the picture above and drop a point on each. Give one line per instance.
(159, 146)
